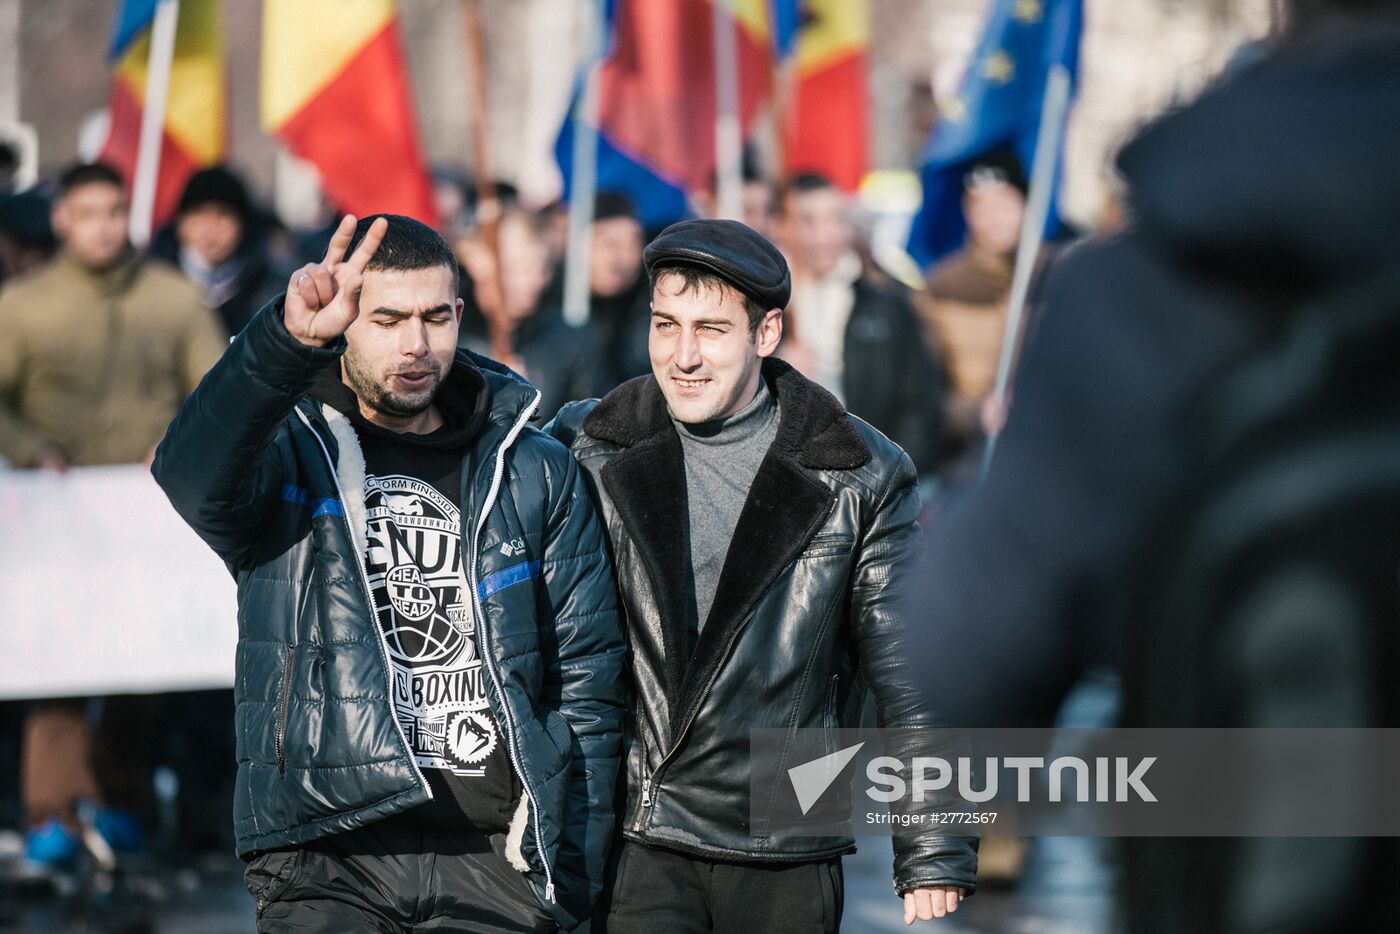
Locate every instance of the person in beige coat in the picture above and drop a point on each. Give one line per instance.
(965, 309)
(99, 347)
(97, 351)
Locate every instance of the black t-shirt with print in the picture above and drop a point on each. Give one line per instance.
(415, 565)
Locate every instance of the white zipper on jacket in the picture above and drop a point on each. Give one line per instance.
(373, 607)
(486, 660)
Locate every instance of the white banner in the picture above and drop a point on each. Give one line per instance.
(104, 589)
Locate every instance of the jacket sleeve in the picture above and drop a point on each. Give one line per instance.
(20, 444)
(216, 462)
(565, 426)
(888, 550)
(579, 578)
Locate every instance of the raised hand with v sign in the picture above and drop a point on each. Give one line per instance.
(323, 299)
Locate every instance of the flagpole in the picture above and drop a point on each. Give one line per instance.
(9, 61)
(143, 188)
(488, 206)
(729, 139)
(583, 174)
(1047, 148)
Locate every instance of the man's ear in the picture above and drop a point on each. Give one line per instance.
(457, 310)
(770, 331)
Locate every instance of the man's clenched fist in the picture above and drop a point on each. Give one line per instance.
(323, 299)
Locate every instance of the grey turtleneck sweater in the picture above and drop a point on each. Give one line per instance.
(721, 459)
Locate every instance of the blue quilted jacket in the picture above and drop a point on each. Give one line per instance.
(258, 470)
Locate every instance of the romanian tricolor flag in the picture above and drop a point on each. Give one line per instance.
(826, 123)
(195, 109)
(657, 94)
(335, 91)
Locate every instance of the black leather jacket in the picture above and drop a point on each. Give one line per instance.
(804, 598)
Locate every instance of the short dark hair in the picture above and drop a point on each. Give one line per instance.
(800, 184)
(808, 181)
(407, 244)
(693, 278)
(609, 204)
(87, 173)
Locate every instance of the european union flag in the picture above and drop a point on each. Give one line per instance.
(998, 107)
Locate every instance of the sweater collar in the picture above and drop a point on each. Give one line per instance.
(813, 428)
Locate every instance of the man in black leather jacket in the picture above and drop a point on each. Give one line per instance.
(755, 527)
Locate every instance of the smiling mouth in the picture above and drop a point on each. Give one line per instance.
(689, 383)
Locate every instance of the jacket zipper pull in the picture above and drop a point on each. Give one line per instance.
(646, 793)
(549, 893)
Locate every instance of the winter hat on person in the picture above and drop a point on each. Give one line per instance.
(216, 185)
(736, 253)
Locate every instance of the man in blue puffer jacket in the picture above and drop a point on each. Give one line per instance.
(429, 659)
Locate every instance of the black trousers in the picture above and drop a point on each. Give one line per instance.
(655, 890)
(388, 877)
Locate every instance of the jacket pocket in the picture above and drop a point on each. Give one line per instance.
(824, 545)
(284, 700)
(268, 875)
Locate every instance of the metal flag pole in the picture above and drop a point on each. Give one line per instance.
(1047, 148)
(583, 173)
(143, 188)
(488, 206)
(729, 136)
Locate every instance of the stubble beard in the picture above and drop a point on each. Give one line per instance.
(377, 395)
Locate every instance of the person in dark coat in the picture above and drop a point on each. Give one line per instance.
(619, 304)
(560, 359)
(1277, 190)
(855, 332)
(217, 241)
(759, 532)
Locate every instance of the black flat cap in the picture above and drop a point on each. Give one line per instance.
(737, 254)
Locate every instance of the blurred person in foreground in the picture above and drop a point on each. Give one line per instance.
(1266, 203)
(429, 653)
(968, 291)
(98, 349)
(217, 243)
(559, 359)
(856, 333)
(756, 527)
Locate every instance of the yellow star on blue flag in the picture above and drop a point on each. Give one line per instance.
(1028, 12)
(999, 68)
